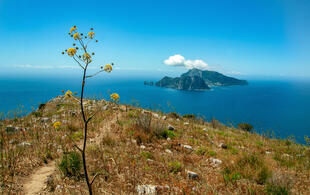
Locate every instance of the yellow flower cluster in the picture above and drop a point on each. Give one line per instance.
(68, 94)
(114, 97)
(87, 57)
(76, 36)
(108, 68)
(91, 34)
(71, 52)
(56, 125)
(73, 29)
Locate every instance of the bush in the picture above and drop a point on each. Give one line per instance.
(73, 127)
(175, 167)
(167, 133)
(143, 121)
(147, 155)
(215, 124)
(189, 116)
(277, 190)
(70, 164)
(77, 135)
(41, 106)
(249, 166)
(174, 115)
(201, 151)
(148, 128)
(245, 127)
(263, 175)
(37, 114)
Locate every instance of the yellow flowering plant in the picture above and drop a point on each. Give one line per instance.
(57, 125)
(83, 58)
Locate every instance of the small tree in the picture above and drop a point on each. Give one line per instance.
(245, 127)
(83, 58)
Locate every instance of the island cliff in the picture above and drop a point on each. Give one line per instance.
(196, 79)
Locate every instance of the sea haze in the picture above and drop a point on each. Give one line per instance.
(279, 106)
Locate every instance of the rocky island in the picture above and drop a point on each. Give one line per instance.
(196, 79)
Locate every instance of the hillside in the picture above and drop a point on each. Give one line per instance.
(196, 79)
(138, 151)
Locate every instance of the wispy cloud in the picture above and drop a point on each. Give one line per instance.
(179, 60)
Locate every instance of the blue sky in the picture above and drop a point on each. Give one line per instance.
(236, 37)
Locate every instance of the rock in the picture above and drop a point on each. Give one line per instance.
(73, 113)
(286, 155)
(146, 189)
(105, 107)
(215, 161)
(155, 115)
(59, 187)
(11, 129)
(24, 144)
(142, 147)
(170, 127)
(186, 123)
(224, 146)
(164, 117)
(168, 151)
(123, 108)
(188, 147)
(192, 175)
(168, 139)
(13, 141)
(45, 120)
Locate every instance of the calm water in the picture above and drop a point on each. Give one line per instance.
(279, 106)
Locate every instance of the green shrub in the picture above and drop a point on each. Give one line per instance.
(263, 175)
(175, 167)
(167, 133)
(70, 164)
(201, 151)
(174, 115)
(108, 140)
(189, 116)
(147, 155)
(212, 153)
(77, 135)
(277, 190)
(231, 176)
(37, 114)
(245, 127)
(41, 106)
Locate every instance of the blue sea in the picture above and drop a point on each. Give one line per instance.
(279, 106)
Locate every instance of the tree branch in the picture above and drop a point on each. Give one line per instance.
(94, 74)
(96, 175)
(79, 63)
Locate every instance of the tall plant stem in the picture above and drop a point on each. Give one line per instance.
(85, 135)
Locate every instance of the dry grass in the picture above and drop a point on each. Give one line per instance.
(129, 148)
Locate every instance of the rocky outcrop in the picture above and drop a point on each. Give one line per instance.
(196, 79)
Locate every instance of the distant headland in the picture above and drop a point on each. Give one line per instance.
(196, 80)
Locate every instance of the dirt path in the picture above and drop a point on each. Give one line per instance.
(37, 181)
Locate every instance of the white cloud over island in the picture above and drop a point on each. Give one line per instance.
(179, 60)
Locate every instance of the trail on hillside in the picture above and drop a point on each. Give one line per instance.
(37, 180)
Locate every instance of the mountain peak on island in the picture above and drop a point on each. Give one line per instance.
(195, 79)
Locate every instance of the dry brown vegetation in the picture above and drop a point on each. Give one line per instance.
(130, 147)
